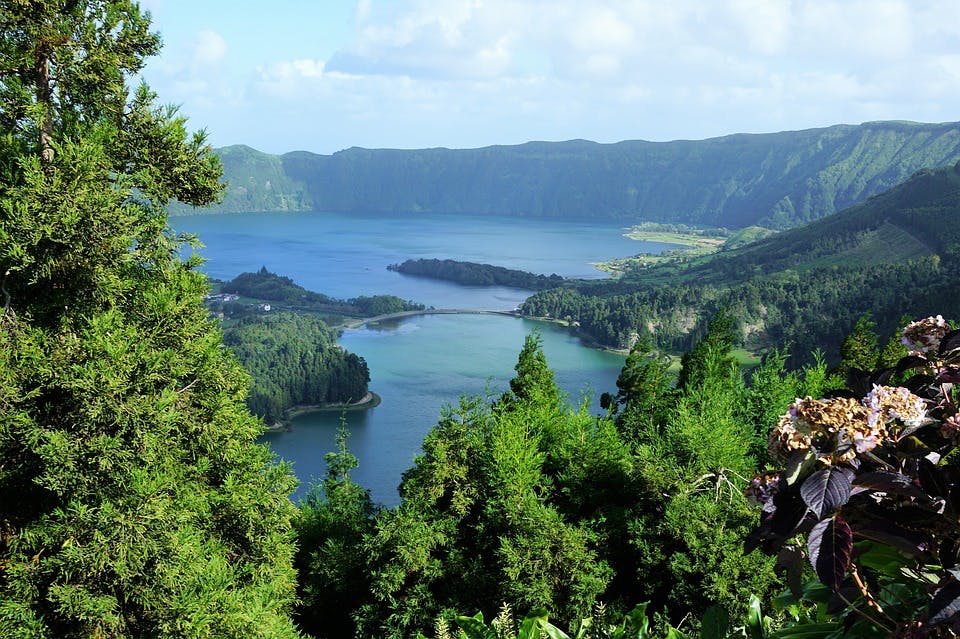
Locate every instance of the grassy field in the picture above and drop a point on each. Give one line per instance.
(689, 246)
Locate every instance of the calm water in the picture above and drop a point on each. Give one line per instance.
(419, 364)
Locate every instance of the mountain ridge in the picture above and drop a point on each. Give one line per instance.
(778, 180)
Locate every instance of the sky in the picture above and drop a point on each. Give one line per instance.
(325, 75)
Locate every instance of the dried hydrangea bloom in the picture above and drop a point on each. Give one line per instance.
(923, 336)
(762, 488)
(785, 438)
(887, 404)
(837, 427)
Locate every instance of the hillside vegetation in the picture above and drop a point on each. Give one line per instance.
(294, 360)
(897, 253)
(776, 180)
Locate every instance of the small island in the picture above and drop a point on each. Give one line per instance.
(250, 293)
(474, 274)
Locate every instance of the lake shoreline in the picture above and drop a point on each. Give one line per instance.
(368, 401)
(585, 340)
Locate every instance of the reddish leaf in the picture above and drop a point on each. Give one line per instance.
(889, 482)
(949, 342)
(829, 545)
(946, 604)
(911, 361)
(826, 490)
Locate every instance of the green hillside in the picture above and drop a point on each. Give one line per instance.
(897, 253)
(776, 180)
(256, 182)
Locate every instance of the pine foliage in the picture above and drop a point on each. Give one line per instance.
(133, 500)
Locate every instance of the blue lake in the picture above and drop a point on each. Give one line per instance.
(418, 364)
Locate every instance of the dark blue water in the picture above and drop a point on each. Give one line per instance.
(418, 364)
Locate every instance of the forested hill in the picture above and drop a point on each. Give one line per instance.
(777, 180)
(897, 253)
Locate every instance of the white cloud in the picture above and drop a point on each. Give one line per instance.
(364, 10)
(604, 30)
(472, 72)
(209, 49)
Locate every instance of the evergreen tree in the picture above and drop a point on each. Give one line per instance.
(692, 460)
(643, 391)
(894, 350)
(506, 504)
(711, 354)
(859, 348)
(333, 522)
(534, 379)
(133, 499)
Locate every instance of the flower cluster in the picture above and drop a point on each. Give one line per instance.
(923, 336)
(785, 438)
(762, 488)
(860, 467)
(887, 404)
(830, 425)
(840, 428)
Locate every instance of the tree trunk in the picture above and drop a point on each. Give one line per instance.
(41, 71)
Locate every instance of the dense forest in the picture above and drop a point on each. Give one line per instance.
(135, 502)
(473, 274)
(294, 360)
(896, 253)
(527, 503)
(776, 180)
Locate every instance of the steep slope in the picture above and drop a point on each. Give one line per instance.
(910, 220)
(777, 180)
(257, 182)
(897, 253)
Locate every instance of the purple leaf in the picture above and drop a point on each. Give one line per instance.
(911, 361)
(949, 342)
(829, 545)
(885, 531)
(945, 604)
(826, 490)
(892, 483)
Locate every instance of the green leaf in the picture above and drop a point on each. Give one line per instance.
(807, 631)
(552, 631)
(880, 557)
(531, 624)
(636, 620)
(714, 623)
(474, 627)
(755, 619)
(798, 465)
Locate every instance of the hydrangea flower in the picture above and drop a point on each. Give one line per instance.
(785, 438)
(836, 427)
(887, 404)
(923, 336)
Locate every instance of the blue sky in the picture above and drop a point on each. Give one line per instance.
(324, 75)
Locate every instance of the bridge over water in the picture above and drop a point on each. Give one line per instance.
(430, 311)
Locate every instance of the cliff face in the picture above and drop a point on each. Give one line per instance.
(777, 180)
